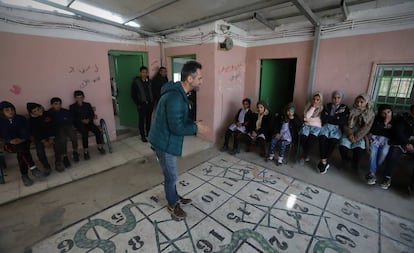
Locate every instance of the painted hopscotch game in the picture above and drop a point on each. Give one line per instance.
(237, 207)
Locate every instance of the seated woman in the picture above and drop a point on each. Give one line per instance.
(334, 117)
(360, 120)
(258, 130)
(284, 133)
(312, 125)
(238, 127)
(401, 141)
(379, 137)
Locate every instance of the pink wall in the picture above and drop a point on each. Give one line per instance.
(206, 95)
(343, 63)
(230, 70)
(346, 63)
(35, 68)
(300, 50)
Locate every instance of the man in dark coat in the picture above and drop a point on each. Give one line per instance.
(141, 93)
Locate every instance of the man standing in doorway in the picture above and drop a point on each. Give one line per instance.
(170, 125)
(141, 93)
(157, 82)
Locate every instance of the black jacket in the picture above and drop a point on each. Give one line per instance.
(294, 125)
(265, 126)
(63, 117)
(379, 128)
(141, 91)
(157, 82)
(247, 117)
(339, 118)
(42, 127)
(80, 112)
(13, 128)
(402, 129)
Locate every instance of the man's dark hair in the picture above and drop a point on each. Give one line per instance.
(78, 93)
(142, 68)
(247, 100)
(189, 69)
(161, 68)
(54, 100)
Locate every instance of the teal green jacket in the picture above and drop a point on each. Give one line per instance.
(171, 122)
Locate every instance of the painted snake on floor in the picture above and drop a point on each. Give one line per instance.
(244, 234)
(107, 246)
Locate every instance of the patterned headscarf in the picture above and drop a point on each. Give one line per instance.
(367, 112)
(318, 108)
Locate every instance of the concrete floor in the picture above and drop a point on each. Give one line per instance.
(33, 218)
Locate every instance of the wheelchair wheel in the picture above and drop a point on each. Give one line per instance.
(106, 134)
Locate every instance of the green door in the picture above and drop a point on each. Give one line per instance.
(277, 81)
(127, 65)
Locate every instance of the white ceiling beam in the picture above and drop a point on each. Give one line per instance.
(234, 12)
(151, 9)
(306, 10)
(344, 9)
(96, 18)
(264, 21)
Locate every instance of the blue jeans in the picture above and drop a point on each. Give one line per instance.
(377, 157)
(169, 169)
(282, 149)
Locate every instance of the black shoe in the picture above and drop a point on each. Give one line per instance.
(144, 139)
(47, 166)
(86, 155)
(47, 172)
(102, 151)
(234, 151)
(66, 162)
(323, 168)
(26, 180)
(59, 166)
(37, 173)
(224, 148)
(75, 156)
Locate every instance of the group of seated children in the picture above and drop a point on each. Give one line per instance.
(384, 136)
(48, 129)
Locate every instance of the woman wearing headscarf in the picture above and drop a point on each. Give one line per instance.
(258, 130)
(360, 120)
(334, 117)
(312, 125)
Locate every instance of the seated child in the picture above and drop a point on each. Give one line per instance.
(258, 130)
(379, 137)
(286, 131)
(238, 127)
(65, 129)
(83, 116)
(14, 132)
(360, 120)
(43, 129)
(401, 141)
(334, 117)
(312, 125)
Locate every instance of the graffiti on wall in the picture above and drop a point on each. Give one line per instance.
(15, 89)
(232, 72)
(86, 75)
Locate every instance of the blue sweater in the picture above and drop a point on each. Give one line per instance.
(171, 121)
(63, 117)
(16, 127)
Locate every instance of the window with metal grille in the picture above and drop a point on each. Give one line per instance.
(393, 84)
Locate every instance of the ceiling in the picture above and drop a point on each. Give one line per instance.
(162, 17)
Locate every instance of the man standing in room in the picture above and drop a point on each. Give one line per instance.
(141, 93)
(157, 82)
(170, 125)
